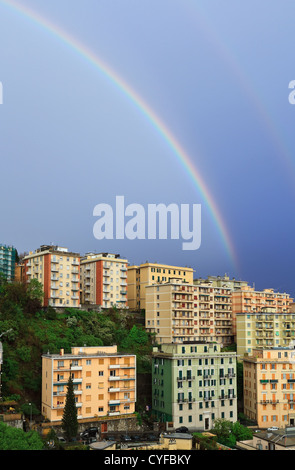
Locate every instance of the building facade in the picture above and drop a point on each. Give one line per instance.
(58, 270)
(104, 280)
(177, 311)
(221, 281)
(269, 387)
(104, 382)
(248, 300)
(265, 329)
(213, 314)
(7, 261)
(193, 384)
(139, 277)
(170, 311)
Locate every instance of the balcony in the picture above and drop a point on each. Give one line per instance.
(121, 377)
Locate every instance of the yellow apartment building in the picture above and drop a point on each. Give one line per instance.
(104, 382)
(58, 270)
(269, 387)
(170, 311)
(152, 273)
(265, 329)
(103, 280)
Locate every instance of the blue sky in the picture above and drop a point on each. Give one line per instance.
(215, 72)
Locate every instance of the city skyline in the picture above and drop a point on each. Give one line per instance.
(182, 103)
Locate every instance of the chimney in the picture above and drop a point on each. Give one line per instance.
(61, 352)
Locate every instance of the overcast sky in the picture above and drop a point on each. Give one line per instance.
(215, 73)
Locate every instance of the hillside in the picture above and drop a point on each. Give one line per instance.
(29, 331)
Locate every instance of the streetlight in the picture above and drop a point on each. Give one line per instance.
(30, 415)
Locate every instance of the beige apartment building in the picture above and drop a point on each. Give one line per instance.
(264, 329)
(170, 311)
(221, 281)
(104, 382)
(103, 280)
(152, 273)
(269, 387)
(213, 314)
(58, 270)
(178, 312)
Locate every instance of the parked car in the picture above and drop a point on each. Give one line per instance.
(152, 437)
(61, 439)
(89, 432)
(125, 438)
(111, 437)
(181, 429)
(136, 437)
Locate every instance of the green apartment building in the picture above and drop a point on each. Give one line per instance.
(193, 384)
(7, 261)
(264, 329)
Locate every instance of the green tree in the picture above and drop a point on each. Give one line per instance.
(69, 419)
(241, 433)
(228, 433)
(35, 290)
(222, 428)
(16, 439)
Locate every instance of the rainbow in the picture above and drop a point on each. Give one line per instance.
(144, 108)
(201, 22)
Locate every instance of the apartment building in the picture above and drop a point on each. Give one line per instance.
(178, 311)
(104, 280)
(248, 300)
(213, 313)
(104, 382)
(7, 261)
(221, 281)
(19, 275)
(269, 386)
(170, 311)
(58, 270)
(264, 329)
(193, 384)
(152, 273)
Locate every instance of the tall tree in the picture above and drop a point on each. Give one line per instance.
(70, 419)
